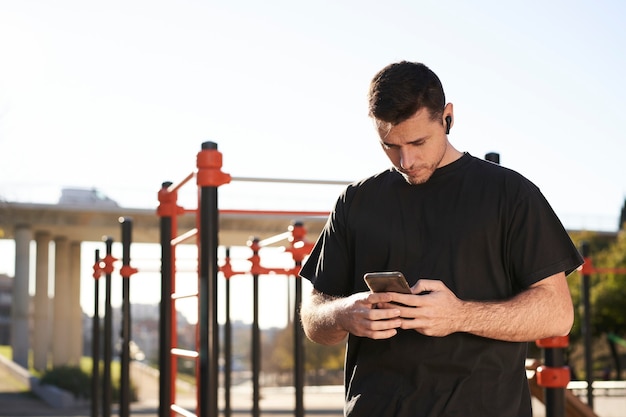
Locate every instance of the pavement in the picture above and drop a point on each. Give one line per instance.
(17, 401)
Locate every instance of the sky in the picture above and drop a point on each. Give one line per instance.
(119, 95)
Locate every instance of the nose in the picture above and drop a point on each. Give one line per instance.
(406, 159)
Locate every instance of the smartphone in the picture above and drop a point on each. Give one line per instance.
(391, 281)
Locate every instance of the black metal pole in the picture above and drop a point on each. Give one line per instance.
(108, 338)
(586, 328)
(95, 341)
(228, 347)
(207, 289)
(298, 348)
(165, 314)
(554, 397)
(126, 225)
(297, 230)
(256, 337)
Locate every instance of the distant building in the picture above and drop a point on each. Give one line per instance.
(6, 295)
(85, 197)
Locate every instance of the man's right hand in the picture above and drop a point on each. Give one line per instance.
(327, 319)
(361, 315)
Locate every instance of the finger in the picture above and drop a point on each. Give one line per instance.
(403, 300)
(379, 297)
(384, 312)
(377, 329)
(411, 324)
(383, 334)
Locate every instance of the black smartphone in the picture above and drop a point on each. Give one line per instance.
(389, 281)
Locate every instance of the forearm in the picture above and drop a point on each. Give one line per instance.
(319, 319)
(537, 313)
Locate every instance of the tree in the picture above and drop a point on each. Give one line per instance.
(598, 244)
(319, 360)
(607, 291)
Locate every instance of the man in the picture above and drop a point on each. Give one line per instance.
(482, 249)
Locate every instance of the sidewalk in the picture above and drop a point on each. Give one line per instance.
(274, 401)
(16, 401)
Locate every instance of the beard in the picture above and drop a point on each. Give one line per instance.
(417, 176)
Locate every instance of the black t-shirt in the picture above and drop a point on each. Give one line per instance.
(487, 233)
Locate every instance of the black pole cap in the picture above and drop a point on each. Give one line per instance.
(493, 157)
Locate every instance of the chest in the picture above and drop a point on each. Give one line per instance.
(439, 233)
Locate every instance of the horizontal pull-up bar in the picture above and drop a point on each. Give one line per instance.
(300, 213)
(175, 187)
(181, 411)
(291, 181)
(185, 353)
(185, 236)
(276, 238)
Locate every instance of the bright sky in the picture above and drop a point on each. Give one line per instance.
(119, 95)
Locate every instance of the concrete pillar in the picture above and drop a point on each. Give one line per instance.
(76, 316)
(20, 302)
(41, 334)
(61, 316)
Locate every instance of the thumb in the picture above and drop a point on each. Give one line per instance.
(425, 286)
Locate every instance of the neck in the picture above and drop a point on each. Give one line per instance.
(451, 155)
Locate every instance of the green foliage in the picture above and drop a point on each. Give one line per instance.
(328, 358)
(317, 357)
(607, 290)
(6, 351)
(280, 358)
(77, 379)
(607, 298)
(70, 378)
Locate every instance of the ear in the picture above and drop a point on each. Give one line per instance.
(448, 119)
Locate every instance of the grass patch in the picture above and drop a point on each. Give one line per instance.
(6, 351)
(76, 379)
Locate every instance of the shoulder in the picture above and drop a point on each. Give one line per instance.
(494, 175)
(386, 179)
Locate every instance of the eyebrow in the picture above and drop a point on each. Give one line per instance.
(418, 141)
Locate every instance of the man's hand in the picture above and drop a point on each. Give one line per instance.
(327, 320)
(542, 310)
(359, 315)
(432, 309)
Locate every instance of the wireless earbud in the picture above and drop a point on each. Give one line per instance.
(448, 123)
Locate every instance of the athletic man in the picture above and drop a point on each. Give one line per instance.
(481, 247)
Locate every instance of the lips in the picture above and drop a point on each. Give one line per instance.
(410, 173)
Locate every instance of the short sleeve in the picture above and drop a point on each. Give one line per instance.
(328, 266)
(539, 245)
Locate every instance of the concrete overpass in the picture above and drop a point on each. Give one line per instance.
(69, 225)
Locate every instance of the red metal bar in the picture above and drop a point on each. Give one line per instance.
(553, 342)
(208, 177)
(554, 375)
(551, 377)
(609, 270)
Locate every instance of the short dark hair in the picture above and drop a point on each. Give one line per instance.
(399, 90)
